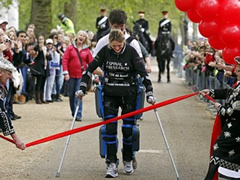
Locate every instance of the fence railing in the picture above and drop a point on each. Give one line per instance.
(196, 80)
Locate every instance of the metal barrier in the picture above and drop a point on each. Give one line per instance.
(197, 80)
(178, 62)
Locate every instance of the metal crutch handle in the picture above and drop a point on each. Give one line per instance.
(68, 139)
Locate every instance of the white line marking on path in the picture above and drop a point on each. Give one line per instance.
(150, 151)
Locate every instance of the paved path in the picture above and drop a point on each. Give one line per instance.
(187, 125)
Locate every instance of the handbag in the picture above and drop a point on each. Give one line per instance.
(89, 84)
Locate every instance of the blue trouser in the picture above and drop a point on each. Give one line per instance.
(24, 76)
(73, 86)
(58, 81)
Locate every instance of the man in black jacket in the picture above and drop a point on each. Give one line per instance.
(142, 21)
(165, 25)
(102, 24)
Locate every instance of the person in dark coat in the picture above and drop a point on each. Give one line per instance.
(164, 25)
(40, 68)
(142, 21)
(226, 150)
(102, 25)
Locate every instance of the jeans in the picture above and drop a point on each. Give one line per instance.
(58, 83)
(73, 86)
(49, 85)
(24, 75)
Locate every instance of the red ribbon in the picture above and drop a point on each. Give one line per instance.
(210, 98)
(84, 128)
(7, 139)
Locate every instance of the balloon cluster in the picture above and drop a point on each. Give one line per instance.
(219, 21)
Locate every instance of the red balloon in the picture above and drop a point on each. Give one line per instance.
(193, 16)
(184, 5)
(216, 42)
(208, 9)
(230, 11)
(208, 28)
(230, 33)
(229, 53)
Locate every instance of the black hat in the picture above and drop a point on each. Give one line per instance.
(61, 16)
(164, 12)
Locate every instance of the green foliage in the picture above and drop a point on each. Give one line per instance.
(88, 11)
(5, 3)
(58, 8)
(24, 7)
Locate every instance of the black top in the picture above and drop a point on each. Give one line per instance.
(226, 150)
(143, 23)
(165, 25)
(38, 68)
(102, 23)
(120, 71)
(5, 121)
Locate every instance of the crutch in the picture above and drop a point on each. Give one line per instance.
(68, 139)
(166, 142)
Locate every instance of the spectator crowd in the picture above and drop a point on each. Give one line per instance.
(38, 60)
(205, 67)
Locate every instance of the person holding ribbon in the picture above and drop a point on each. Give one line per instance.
(226, 149)
(6, 71)
(121, 65)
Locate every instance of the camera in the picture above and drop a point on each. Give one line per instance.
(7, 40)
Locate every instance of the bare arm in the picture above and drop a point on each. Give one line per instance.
(148, 65)
(18, 142)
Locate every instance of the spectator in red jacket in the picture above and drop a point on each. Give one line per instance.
(73, 67)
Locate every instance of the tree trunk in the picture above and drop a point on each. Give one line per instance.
(41, 16)
(195, 31)
(70, 10)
